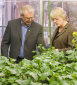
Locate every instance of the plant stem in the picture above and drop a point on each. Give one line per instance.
(49, 22)
(42, 22)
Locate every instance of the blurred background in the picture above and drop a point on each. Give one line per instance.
(10, 9)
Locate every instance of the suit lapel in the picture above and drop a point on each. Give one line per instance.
(64, 30)
(29, 32)
(54, 34)
(19, 28)
(61, 32)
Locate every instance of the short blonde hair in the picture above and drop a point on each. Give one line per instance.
(27, 8)
(58, 12)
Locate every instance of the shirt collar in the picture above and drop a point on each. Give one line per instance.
(25, 26)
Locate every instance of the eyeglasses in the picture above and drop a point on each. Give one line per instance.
(28, 18)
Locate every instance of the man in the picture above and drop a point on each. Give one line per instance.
(22, 35)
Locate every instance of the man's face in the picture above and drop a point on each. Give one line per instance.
(27, 18)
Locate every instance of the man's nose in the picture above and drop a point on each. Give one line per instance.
(29, 19)
(54, 20)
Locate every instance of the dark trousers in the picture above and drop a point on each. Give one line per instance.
(19, 59)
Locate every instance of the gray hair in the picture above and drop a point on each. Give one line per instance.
(58, 12)
(27, 8)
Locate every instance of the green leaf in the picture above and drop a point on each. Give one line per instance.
(23, 82)
(1, 83)
(33, 74)
(12, 79)
(2, 74)
(45, 75)
(36, 83)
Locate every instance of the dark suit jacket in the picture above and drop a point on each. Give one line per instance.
(13, 38)
(63, 40)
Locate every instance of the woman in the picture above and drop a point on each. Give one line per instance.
(63, 35)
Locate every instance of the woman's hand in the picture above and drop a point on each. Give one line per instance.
(57, 50)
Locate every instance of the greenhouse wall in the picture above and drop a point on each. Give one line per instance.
(10, 9)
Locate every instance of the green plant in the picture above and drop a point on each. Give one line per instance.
(47, 68)
(49, 22)
(74, 41)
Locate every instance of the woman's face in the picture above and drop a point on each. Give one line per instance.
(58, 21)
